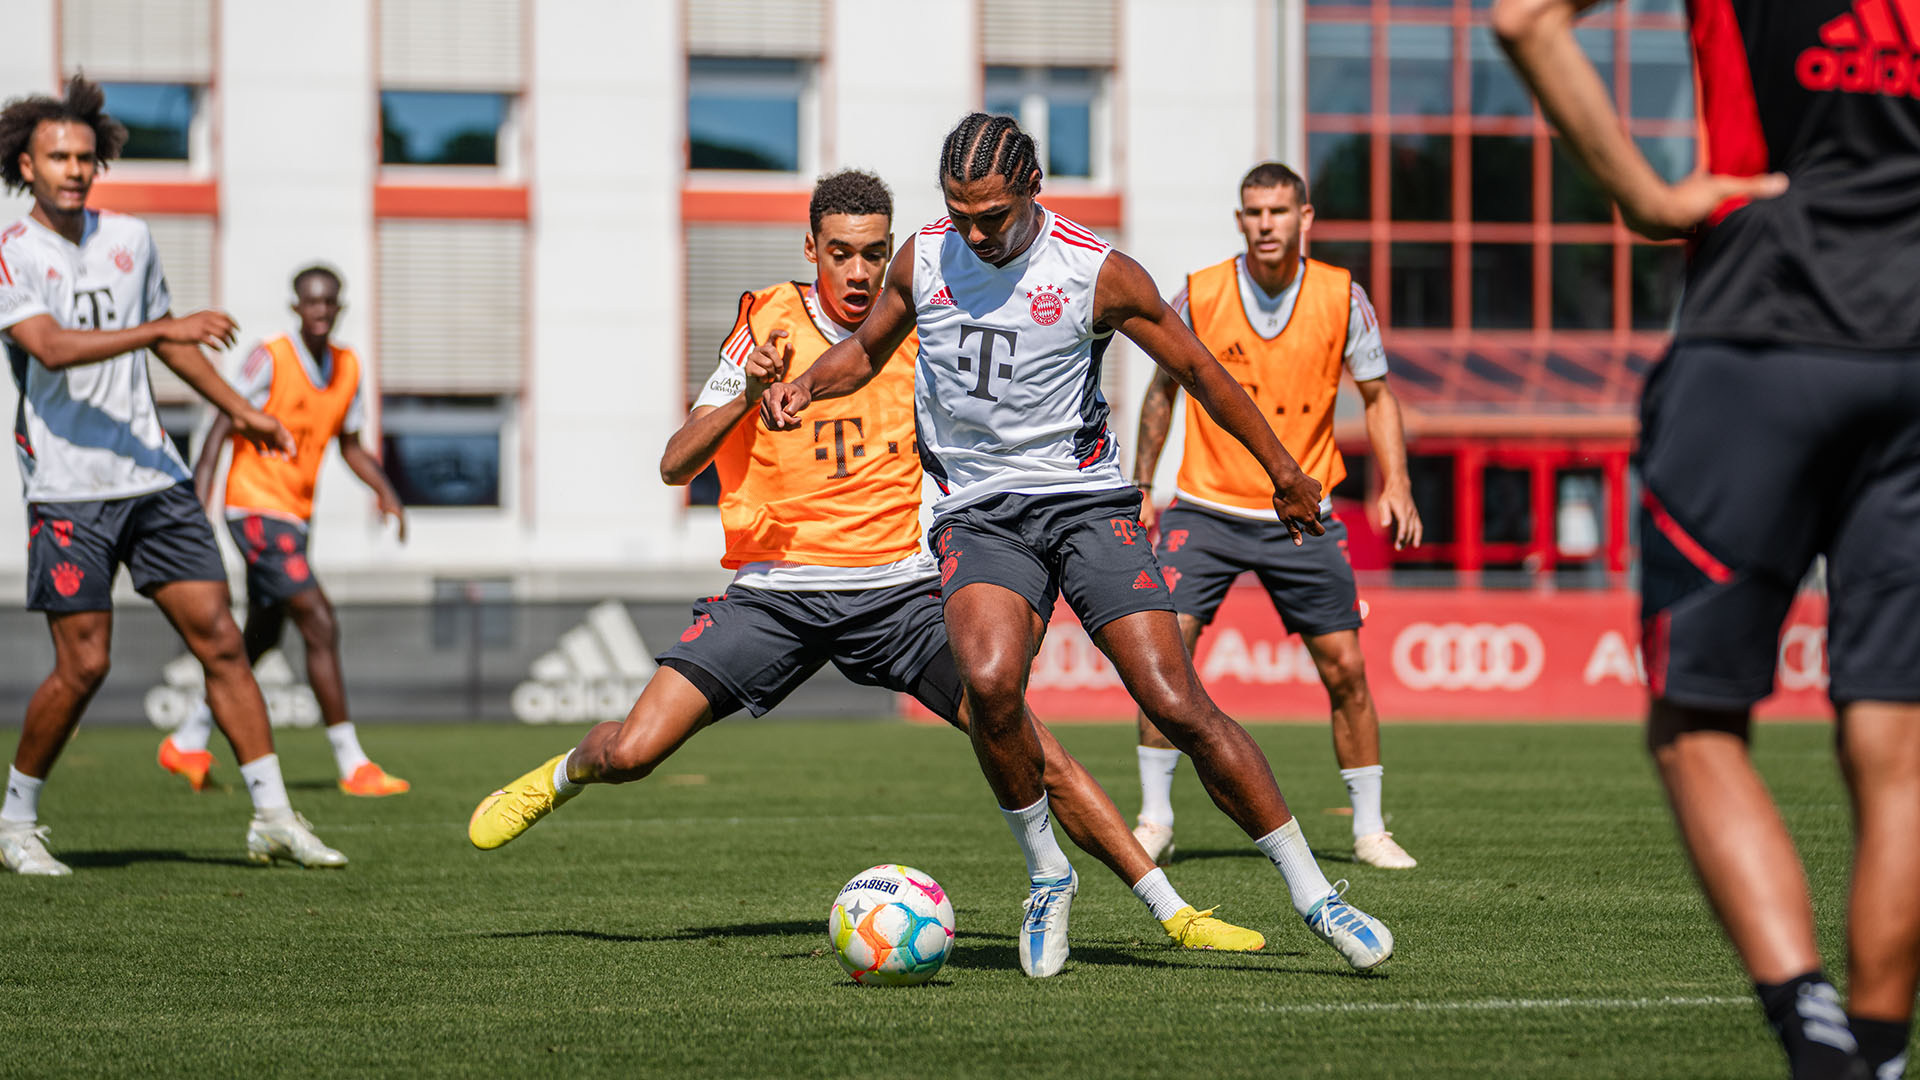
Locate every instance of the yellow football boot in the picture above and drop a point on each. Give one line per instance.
(1192, 929)
(513, 809)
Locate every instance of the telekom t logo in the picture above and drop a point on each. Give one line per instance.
(988, 369)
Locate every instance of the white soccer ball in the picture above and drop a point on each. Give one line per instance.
(891, 926)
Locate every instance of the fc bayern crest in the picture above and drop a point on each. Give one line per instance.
(123, 260)
(1048, 304)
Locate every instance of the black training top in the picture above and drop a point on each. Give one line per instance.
(1828, 92)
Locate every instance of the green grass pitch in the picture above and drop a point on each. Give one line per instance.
(676, 927)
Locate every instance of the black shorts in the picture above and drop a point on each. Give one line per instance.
(755, 646)
(1756, 459)
(276, 554)
(74, 549)
(1311, 584)
(1088, 546)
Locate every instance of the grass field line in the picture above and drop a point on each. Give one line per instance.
(1507, 1005)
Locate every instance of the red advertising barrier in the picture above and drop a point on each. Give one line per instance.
(1431, 655)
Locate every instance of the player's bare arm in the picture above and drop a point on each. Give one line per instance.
(57, 347)
(852, 363)
(1156, 419)
(1388, 435)
(1538, 37)
(188, 362)
(1126, 300)
(206, 467)
(691, 449)
(367, 468)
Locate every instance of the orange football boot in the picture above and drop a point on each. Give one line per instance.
(372, 781)
(192, 764)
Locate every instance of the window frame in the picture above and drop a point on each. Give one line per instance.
(510, 149)
(808, 119)
(1036, 88)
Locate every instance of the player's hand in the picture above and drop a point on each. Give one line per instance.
(781, 405)
(1149, 513)
(1671, 210)
(214, 329)
(1297, 500)
(270, 436)
(767, 364)
(1398, 514)
(391, 508)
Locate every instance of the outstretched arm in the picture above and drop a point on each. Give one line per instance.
(1127, 301)
(692, 448)
(57, 347)
(367, 468)
(1538, 37)
(853, 363)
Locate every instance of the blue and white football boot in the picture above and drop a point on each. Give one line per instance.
(1043, 932)
(1364, 940)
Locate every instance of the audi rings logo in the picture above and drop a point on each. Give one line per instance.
(1459, 656)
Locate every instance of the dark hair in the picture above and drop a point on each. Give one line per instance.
(982, 145)
(1272, 174)
(85, 103)
(317, 270)
(849, 191)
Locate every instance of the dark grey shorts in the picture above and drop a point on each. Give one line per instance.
(1311, 584)
(74, 549)
(276, 554)
(1087, 546)
(758, 645)
(1755, 460)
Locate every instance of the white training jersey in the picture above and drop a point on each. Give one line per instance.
(91, 431)
(1007, 385)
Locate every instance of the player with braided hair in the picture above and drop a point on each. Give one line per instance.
(1015, 307)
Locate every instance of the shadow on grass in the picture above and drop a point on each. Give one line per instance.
(103, 860)
(1250, 852)
(691, 933)
(313, 785)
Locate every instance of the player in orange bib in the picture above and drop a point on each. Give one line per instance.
(1284, 326)
(822, 528)
(317, 389)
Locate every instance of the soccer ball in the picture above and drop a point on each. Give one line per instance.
(891, 926)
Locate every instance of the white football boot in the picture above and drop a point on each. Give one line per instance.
(1381, 850)
(1364, 940)
(289, 837)
(1157, 839)
(23, 850)
(1043, 931)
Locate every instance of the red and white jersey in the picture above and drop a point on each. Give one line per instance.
(89, 431)
(1007, 384)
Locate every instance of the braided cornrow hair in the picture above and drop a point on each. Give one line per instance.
(982, 145)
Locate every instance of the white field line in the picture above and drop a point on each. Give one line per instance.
(1506, 1005)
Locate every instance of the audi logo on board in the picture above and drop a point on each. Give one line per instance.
(1468, 656)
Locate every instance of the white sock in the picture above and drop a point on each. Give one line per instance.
(1033, 831)
(22, 804)
(1363, 789)
(269, 791)
(1159, 895)
(347, 755)
(196, 729)
(1156, 783)
(1287, 847)
(563, 783)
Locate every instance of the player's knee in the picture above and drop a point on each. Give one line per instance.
(84, 669)
(994, 689)
(1346, 679)
(626, 760)
(220, 645)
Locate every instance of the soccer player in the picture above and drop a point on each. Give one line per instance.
(318, 390)
(1784, 423)
(82, 300)
(1283, 326)
(822, 529)
(1014, 307)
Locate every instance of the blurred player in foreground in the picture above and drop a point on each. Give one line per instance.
(1785, 423)
(822, 528)
(318, 390)
(1283, 325)
(82, 299)
(1014, 307)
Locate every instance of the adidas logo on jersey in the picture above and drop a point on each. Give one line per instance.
(595, 673)
(943, 298)
(1873, 49)
(290, 702)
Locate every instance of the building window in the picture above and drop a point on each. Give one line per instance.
(748, 114)
(159, 117)
(424, 127)
(1063, 108)
(444, 450)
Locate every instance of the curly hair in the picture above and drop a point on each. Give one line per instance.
(849, 191)
(84, 103)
